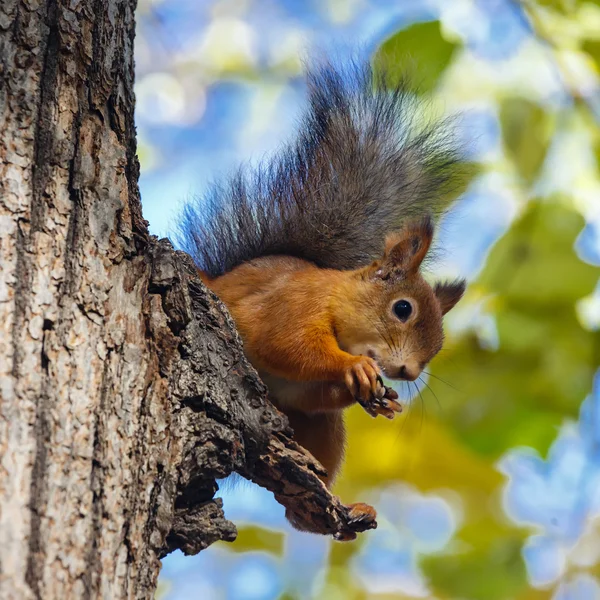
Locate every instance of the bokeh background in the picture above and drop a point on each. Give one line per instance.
(488, 487)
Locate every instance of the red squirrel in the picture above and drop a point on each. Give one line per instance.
(317, 254)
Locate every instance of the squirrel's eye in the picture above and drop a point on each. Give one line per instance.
(402, 309)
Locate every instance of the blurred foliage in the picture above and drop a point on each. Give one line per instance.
(527, 130)
(419, 46)
(519, 393)
(470, 575)
(250, 538)
(518, 361)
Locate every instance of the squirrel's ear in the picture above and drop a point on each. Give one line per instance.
(448, 294)
(406, 249)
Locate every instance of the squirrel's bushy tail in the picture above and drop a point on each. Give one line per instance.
(364, 160)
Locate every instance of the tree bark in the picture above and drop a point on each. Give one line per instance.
(124, 391)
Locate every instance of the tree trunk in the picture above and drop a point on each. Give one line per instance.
(124, 391)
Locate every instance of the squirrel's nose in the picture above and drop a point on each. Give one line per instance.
(405, 373)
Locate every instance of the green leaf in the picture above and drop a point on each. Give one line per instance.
(495, 572)
(420, 49)
(527, 131)
(564, 6)
(592, 47)
(523, 265)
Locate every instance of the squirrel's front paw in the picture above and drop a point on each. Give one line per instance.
(366, 386)
(383, 403)
(362, 378)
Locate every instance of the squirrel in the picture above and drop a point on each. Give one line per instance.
(317, 254)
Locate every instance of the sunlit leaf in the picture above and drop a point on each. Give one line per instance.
(526, 129)
(564, 6)
(419, 50)
(540, 244)
(592, 47)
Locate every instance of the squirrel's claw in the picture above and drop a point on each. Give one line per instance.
(383, 402)
(364, 382)
(361, 378)
(358, 513)
(367, 406)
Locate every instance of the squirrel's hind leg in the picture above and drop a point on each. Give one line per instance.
(324, 436)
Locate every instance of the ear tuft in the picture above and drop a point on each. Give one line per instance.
(406, 249)
(449, 293)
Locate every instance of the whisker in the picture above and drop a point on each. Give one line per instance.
(404, 343)
(433, 393)
(410, 410)
(446, 355)
(422, 406)
(443, 381)
(387, 337)
(388, 340)
(389, 332)
(392, 336)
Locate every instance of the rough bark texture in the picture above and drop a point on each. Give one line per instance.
(124, 391)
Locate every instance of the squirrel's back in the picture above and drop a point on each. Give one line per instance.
(364, 160)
